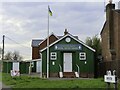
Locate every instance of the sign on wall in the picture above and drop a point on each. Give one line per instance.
(68, 47)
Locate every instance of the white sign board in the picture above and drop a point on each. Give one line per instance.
(109, 78)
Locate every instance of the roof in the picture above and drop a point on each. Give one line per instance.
(117, 10)
(71, 37)
(62, 36)
(47, 37)
(103, 27)
(35, 43)
(21, 60)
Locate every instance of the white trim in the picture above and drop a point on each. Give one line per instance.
(41, 56)
(71, 37)
(47, 37)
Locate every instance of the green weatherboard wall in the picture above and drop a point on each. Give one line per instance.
(23, 67)
(85, 68)
(7, 66)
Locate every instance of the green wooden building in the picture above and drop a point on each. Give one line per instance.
(68, 57)
(22, 66)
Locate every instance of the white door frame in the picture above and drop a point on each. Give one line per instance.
(15, 66)
(38, 66)
(67, 62)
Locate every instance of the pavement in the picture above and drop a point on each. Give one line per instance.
(4, 87)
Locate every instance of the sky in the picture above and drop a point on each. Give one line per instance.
(21, 22)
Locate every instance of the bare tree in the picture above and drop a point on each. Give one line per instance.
(8, 56)
(17, 56)
(13, 56)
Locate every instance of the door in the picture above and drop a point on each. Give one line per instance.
(15, 66)
(38, 66)
(67, 62)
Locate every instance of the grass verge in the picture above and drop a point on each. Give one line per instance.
(34, 82)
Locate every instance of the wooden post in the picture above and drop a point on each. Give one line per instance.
(108, 86)
(3, 47)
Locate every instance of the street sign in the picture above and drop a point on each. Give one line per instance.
(110, 78)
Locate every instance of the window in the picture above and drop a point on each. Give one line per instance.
(82, 56)
(53, 56)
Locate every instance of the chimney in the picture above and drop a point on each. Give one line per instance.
(109, 8)
(109, 18)
(65, 32)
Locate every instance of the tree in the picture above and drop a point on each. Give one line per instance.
(0, 53)
(8, 56)
(0, 50)
(16, 56)
(95, 43)
(13, 56)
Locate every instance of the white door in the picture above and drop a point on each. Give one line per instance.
(38, 66)
(15, 66)
(67, 62)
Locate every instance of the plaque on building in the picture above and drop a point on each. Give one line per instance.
(68, 47)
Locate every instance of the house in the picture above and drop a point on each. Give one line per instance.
(110, 36)
(67, 54)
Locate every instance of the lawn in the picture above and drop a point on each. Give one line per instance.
(35, 82)
(0, 76)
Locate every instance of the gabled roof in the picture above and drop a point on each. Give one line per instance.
(49, 36)
(72, 38)
(62, 36)
(35, 42)
(117, 10)
(103, 27)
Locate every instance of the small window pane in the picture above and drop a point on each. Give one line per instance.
(82, 56)
(53, 55)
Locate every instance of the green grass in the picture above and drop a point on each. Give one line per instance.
(0, 76)
(34, 82)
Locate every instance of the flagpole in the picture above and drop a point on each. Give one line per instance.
(48, 46)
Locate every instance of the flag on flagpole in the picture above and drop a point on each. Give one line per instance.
(50, 12)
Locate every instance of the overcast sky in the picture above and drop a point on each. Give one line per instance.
(24, 21)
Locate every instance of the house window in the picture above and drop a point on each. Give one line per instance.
(82, 56)
(53, 56)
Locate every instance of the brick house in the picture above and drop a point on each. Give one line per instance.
(110, 36)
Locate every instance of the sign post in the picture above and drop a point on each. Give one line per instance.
(109, 78)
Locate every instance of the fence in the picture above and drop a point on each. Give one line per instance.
(109, 65)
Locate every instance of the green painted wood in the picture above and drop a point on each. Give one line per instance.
(89, 67)
(22, 67)
(7, 67)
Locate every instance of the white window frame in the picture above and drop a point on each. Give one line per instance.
(53, 54)
(82, 54)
